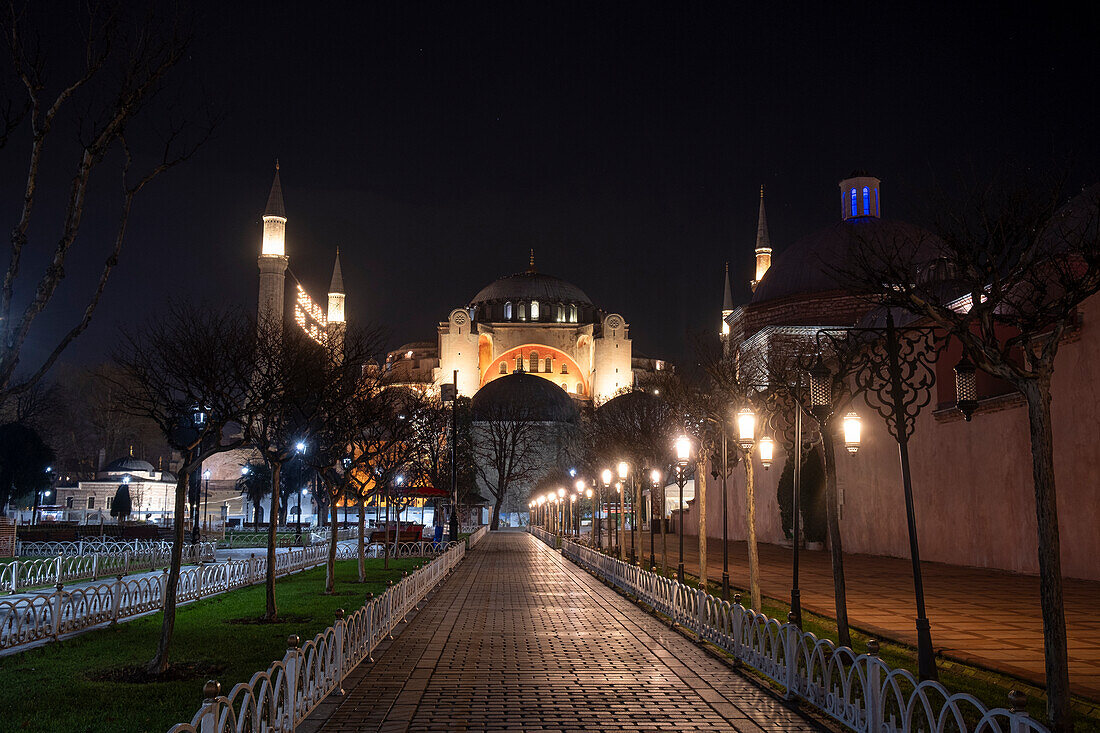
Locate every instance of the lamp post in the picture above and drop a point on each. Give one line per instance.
(561, 510)
(605, 476)
(683, 457)
(655, 479)
(896, 372)
(572, 515)
(206, 500)
(299, 449)
(725, 470)
(624, 473)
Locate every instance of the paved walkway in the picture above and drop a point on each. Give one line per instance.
(520, 639)
(989, 617)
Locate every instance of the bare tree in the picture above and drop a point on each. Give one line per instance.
(104, 105)
(182, 372)
(1005, 273)
(507, 439)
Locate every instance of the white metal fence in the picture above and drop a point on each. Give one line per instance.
(68, 568)
(92, 546)
(859, 690)
(283, 695)
(46, 616)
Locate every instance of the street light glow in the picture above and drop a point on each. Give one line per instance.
(852, 425)
(746, 427)
(624, 470)
(606, 476)
(655, 476)
(767, 451)
(683, 449)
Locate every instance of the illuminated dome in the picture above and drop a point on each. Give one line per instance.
(530, 286)
(525, 397)
(129, 464)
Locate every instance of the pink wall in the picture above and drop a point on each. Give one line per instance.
(971, 481)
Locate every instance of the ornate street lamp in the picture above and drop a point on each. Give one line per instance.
(655, 480)
(966, 393)
(746, 428)
(766, 450)
(821, 391)
(852, 428)
(605, 476)
(683, 457)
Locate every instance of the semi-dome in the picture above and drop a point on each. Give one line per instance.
(815, 263)
(523, 397)
(530, 285)
(128, 464)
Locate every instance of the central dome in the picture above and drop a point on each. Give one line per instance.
(530, 285)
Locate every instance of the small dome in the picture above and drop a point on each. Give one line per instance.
(813, 264)
(128, 464)
(529, 285)
(524, 396)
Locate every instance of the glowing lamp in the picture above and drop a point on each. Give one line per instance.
(655, 477)
(561, 492)
(683, 450)
(746, 427)
(624, 470)
(852, 425)
(579, 485)
(606, 476)
(767, 451)
(966, 392)
(588, 493)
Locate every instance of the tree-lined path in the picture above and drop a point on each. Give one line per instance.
(520, 639)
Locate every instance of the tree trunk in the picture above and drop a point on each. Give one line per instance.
(330, 565)
(836, 548)
(386, 540)
(750, 511)
(159, 663)
(1037, 393)
(271, 612)
(495, 523)
(361, 541)
(664, 535)
(701, 505)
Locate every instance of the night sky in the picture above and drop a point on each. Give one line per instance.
(625, 143)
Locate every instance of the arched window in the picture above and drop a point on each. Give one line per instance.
(69, 502)
(855, 212)
(503, 368)
(580, 388)
(866, 201)
(91, 502)
(565, 386)
(534, 361)
(549, 364)
(560, 313)
(534, 310)
(564, 368)
(507, 311)
(519, 362)
(523, 306)
(573, 313)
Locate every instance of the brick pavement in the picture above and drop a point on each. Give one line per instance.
(987, 617)
(520, 639)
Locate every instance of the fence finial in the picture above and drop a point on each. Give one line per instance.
(211, 689)
(1017, 701)
(292, 641)
(872, 647)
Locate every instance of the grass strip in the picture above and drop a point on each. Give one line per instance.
(84, 684)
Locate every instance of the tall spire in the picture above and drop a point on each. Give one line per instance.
(275, 198)
(763, 241)
(531, 263)
(727, 295)
(727, 302)
(763, 244)
(337, 283)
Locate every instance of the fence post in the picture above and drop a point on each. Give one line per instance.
(290, 667)
(338, 638)
(251, 568)
(738, 621)
(701, 616)
(210, 691)
(873, 694)
(116, 599)
(1017, 703)
(95, 564)
(199, 582)
(371, 607)
(792, 633)
(57, 612)
(125, 562)
(15, 575)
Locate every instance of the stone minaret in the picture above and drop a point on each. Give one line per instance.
(727, 303)
(273, 260)
(763, 245)
(336, 295)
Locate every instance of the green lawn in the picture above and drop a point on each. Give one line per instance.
(59, 687)
(989, 686)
